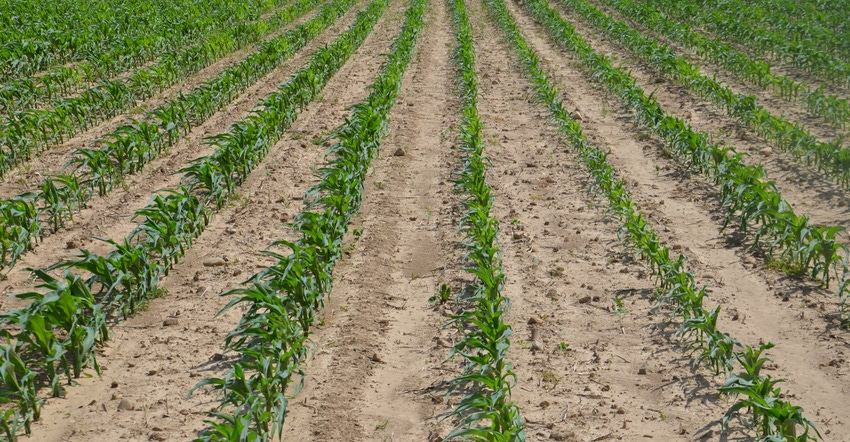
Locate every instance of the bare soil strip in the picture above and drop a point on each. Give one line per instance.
(378, 352)
(780, 67)
(23, 177)
(808, 191)
(759, 305)
(159, 354)
(794, 112)
(107, 217)
(594, 360)
(585, 371)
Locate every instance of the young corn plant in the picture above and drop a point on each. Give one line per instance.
(745, 191)
(130, 147)
(487, 413)
(282, 299)
(676, 286)
(20, 391)
(829, 158)
(19, 228)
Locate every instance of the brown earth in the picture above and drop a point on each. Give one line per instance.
(808, 191)
(604, 366)
(106, 217)
(792, 110)
(23, 177)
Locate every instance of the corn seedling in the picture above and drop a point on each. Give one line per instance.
(675, 285)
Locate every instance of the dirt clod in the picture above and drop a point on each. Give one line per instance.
(214, 262)
(563, 434)
(126, 405)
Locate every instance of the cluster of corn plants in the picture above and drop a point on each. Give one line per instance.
(19, 228)
(26, 133)
(122, 280)
(770, 415)
(280, 303)
(130, 147)
(830, 158)
(826, 20)
(487, 413)
(194, 21)
(727, 24)
(832, 108)
(103, 38)
(746, 194)
(54, 335)
(822, 25)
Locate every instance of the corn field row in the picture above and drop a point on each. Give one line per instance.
(100, 39)
(23, 134)
(123, 280)
(505, 76)
(802, 54)
(819, 22)
(830, 107)
(96, 171)
(199, 23)
(487, 412)
(770, 417)
(272, 338)
(828, 157)
(751, 201)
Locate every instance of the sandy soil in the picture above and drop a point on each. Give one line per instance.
(107, 217)
(793, 111)
(23, 177)
(152, 365)
(379, 371)
(809, 192)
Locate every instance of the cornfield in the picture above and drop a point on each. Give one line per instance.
(493, 220)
